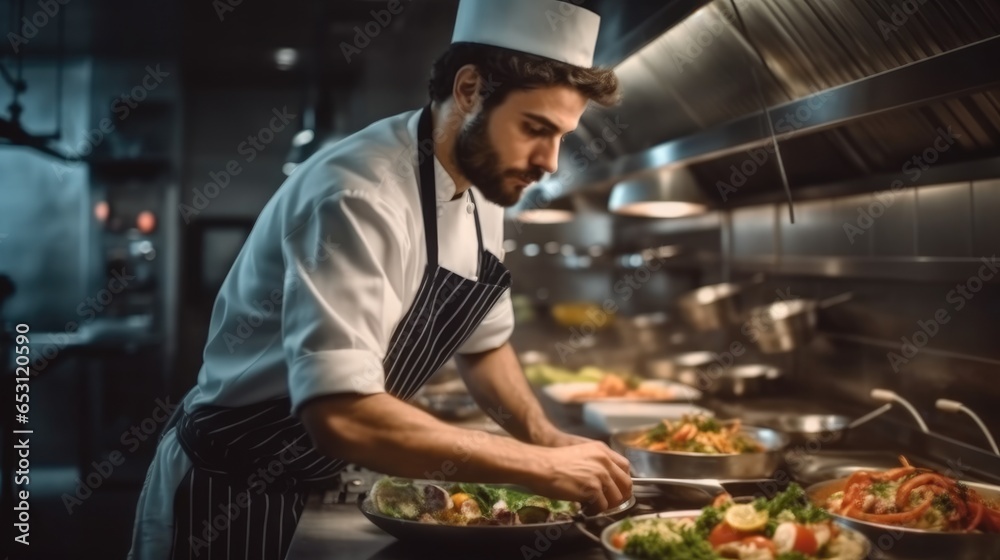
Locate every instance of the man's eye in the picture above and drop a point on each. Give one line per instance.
(534, 131)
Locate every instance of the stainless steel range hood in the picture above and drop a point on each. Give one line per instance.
(854, 88)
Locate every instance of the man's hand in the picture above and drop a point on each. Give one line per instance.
(589, 473)
(558, 438)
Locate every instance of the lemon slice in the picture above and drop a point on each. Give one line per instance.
(746, 518)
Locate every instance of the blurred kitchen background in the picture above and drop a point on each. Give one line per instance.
(117, 120)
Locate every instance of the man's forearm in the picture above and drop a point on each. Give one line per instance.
(387, 435)
(497, 383)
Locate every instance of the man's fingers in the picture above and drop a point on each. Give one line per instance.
(612, 492)
(618, 459)
(594, 500)
(623, 482)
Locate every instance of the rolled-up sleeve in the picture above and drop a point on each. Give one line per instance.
(344, 273)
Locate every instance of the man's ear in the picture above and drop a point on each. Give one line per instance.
(465, 90)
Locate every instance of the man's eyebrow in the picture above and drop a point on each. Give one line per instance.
(544, 122)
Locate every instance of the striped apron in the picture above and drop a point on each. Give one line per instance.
(253, 465)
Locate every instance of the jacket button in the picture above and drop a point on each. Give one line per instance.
(440, 211)
(470, 208)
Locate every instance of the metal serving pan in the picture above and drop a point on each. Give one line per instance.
(614, 554)
(825, 429)
(676, 464)
(535, 536)
(915, 544)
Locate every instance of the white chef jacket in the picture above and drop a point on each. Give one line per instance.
(333, 262)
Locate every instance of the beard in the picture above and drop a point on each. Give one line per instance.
(479, 162)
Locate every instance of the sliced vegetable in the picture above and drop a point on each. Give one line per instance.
(746, 518)
(793, 537)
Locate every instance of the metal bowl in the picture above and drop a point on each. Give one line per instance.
(914, 544)
(677, 464)
(613, 553)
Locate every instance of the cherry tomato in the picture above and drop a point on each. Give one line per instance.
(724, 533)
(618, 541)
(794, 537)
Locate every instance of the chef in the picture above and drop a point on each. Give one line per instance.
(379, 259)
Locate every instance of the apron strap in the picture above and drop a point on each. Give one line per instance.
(479, 234)
(428, 191)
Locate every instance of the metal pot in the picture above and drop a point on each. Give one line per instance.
(785, 325)
(710, 308)
(676, 464)
(915, 544)
(713, 307)
(647, 332)
(736, 381)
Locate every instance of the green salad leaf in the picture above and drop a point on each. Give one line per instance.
(794, 501)
(791, 556)
(709, 518)
(486, 496)
(652, 546)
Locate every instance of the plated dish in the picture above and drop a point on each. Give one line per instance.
(462, 504)
(627, 387)
(547, 374)
(915, 498)
(697, 434)
(650, 390)
(785, 527)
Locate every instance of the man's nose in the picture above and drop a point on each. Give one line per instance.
(546, 156)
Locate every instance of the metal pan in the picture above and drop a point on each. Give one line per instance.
(744, 380)
(675, 464)
(826, 429)
(915, 544)
(673, 366)
(714, 307)
(703, 371)
(613, 553)
(785, 325)
(472, 538)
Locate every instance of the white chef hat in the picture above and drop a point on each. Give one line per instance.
(549, 28)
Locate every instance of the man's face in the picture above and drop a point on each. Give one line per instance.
(512, 146)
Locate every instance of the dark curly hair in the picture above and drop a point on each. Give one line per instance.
(510, 70)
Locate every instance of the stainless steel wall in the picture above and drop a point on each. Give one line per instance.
(922, 264)
(919, 261)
